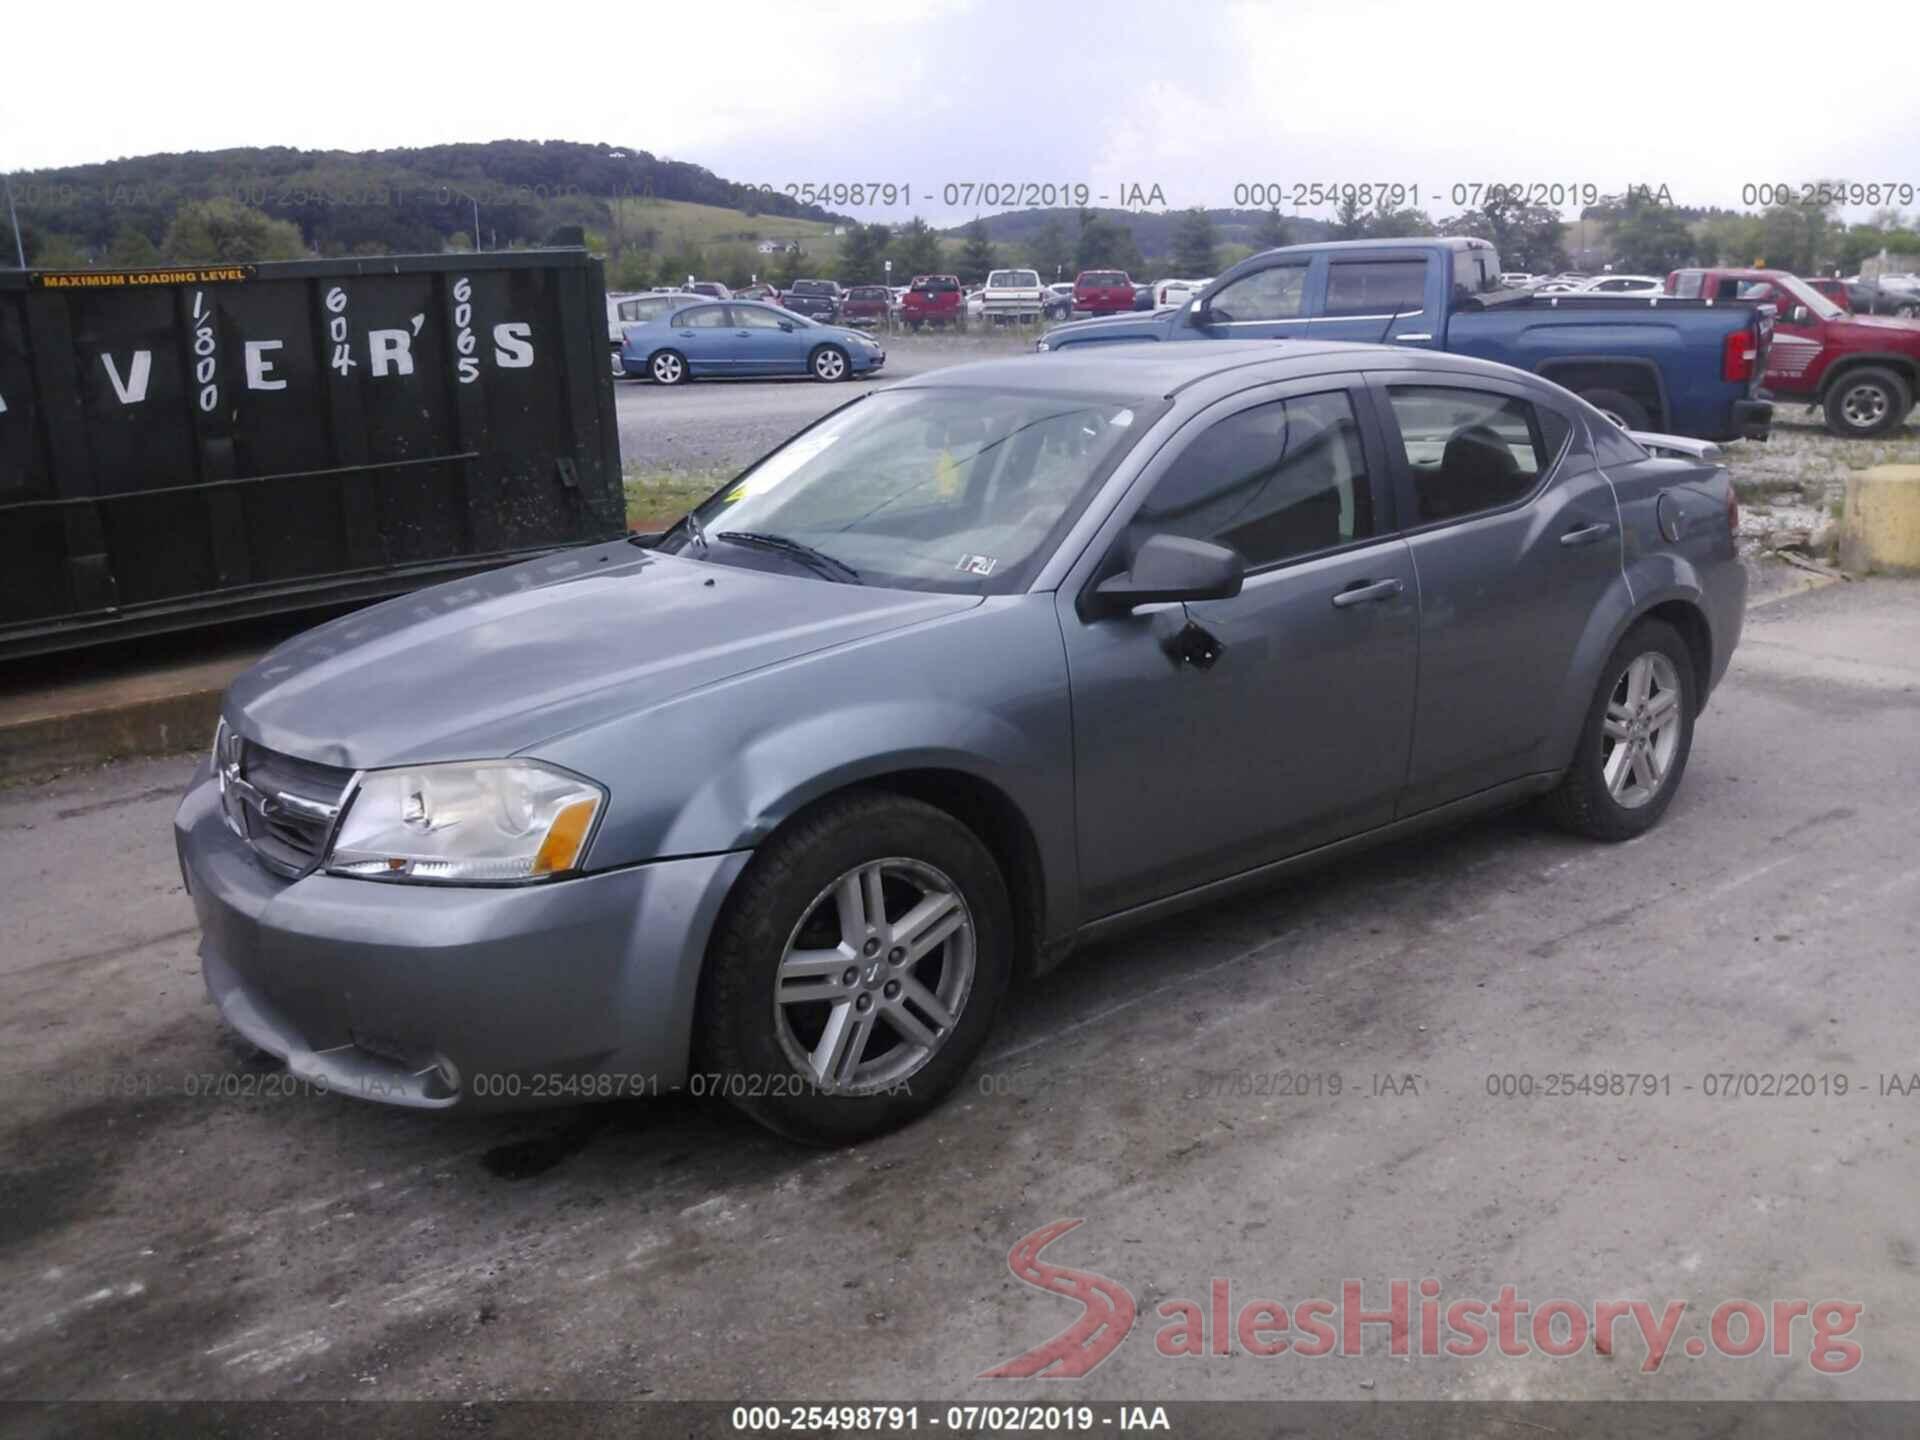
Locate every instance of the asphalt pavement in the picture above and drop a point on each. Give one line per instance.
(1367, 1074)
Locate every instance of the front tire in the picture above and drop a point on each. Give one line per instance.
(829, 363)
(667, 367)
(1867, 402)
(857, 969)
(1634, 746)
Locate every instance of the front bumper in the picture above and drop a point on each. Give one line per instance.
(428, 997)
(865, 360)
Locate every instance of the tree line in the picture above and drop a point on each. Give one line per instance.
(276, 203)
(375, 202)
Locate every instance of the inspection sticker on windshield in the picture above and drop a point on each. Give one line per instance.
(978, 564)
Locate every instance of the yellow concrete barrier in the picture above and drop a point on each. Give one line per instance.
(1881, 528)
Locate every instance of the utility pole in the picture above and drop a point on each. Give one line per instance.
(13, 221)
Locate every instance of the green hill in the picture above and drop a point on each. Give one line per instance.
(377, 201)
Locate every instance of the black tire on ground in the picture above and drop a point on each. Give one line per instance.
(829, 363)
(1628, 411)
(1581, 802)
(736, 1025)
(1908, 312)
(1867, 401)
(667, 367)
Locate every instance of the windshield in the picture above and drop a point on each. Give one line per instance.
(964, 491)
(1009, 279)
(1802, 293)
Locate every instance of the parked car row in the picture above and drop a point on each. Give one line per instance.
(1866, 297)
(691, 337)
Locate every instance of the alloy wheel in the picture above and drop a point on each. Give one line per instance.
(1864, 406)
(668, 368)
(874, 977)
(829, 364)
(1641, 730)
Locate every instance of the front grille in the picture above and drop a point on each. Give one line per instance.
(283, 806)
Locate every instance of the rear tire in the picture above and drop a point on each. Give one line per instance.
(773, 988)
(667, 367)
(1625, 411)
(1866, 402)
(1634, 746)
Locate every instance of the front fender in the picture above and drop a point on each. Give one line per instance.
(981, 693)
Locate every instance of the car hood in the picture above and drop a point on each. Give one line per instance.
(495, 664)
(1135, 325)
(1878, 325)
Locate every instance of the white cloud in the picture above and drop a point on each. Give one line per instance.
(1196, 98)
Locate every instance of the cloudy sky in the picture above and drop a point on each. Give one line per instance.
(1196, 97)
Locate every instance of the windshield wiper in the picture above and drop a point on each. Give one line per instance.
(816, 560)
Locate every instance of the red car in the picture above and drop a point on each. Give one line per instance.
(1862, 370)
(1103, 292)
(866, 305)
(934, 300)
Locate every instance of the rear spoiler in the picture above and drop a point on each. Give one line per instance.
(1678, 447)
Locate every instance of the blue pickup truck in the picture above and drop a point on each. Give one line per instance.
(1678, 367)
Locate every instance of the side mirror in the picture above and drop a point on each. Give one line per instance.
(1797, 315)
(1172, 567)
(787, 325)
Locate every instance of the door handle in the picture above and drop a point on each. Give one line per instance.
(1362, 592)
(1586, 534)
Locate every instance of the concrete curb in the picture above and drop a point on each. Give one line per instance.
(165, 725)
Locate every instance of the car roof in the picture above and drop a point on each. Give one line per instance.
(1154, 369)
(1410, 242)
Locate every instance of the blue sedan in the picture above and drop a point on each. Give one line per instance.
(742, 337)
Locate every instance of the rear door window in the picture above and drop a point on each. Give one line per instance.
(1469, 451)
(1376, 288)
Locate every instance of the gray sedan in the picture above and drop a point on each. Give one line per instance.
(777, 805)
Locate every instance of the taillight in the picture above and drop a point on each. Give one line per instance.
(1737, 356)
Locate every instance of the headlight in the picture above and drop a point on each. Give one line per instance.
(1040, 345)
(485, 822)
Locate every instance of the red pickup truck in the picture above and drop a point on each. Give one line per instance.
(1102, 292)
(934, 300)
(1862, 370)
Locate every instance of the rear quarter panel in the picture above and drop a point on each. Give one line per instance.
(1680, 548)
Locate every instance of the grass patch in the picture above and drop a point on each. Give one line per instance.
(678, 226)
(655, 494)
